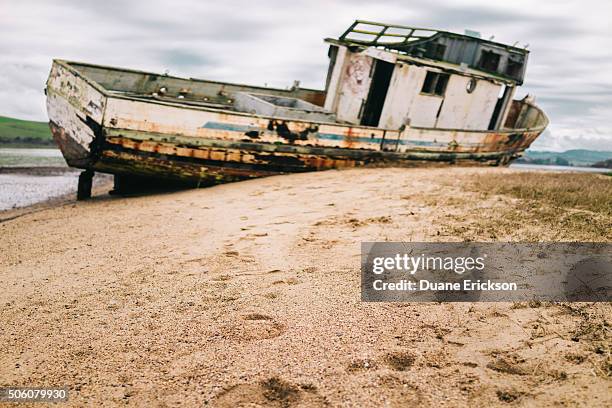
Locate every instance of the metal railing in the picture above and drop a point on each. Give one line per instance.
(387, 35)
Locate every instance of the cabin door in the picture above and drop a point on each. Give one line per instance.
(379, 86)
(500, 108)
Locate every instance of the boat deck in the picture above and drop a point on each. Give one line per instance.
(142, 85)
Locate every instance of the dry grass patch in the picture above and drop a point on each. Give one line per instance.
(590, 192)
(551, 206)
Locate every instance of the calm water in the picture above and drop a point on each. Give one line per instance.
(30, 176)
(20, 190)
(543, 167)
(31, 158)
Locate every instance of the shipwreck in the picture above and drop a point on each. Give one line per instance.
(394, 95)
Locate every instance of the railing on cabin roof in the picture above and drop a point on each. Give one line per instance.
(386, 35)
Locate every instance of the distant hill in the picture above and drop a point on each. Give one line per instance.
(24, 133)
(577, 157)
(606, 164)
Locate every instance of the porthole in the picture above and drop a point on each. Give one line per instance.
(471, 85)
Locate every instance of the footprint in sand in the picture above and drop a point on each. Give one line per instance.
(222, 278)
(273, 392)
(400, 393)
(254, 326)
(257, 316)
(356, 366)
(288, 281)
(399, 361)
(509, 396)
(508, 364)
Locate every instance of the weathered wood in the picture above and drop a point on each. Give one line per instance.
(132, 123)
(85, 184)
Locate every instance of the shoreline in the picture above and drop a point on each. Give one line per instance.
(21, 181)
(41, 171)
(103, 183)
(552, 167)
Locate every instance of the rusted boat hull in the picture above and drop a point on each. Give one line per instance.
(239, 161)
(101, 129)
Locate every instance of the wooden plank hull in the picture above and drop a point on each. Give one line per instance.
(110, 132)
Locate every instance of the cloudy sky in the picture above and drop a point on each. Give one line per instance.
(274, 42)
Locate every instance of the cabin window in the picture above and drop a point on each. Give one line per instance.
(513, 69)
(435, 83)
(436, 51)
(489, 61)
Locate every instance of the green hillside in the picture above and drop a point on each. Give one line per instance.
(24, 133)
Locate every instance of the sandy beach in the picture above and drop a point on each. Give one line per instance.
(248, 294)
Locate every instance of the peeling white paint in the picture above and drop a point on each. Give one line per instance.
(354, 87)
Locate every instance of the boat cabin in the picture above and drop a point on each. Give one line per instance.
(392, 76)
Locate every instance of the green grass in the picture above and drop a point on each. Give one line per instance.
(18, 133)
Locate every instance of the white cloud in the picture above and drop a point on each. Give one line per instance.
(275, 42)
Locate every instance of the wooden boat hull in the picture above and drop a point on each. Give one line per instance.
(110, 132)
